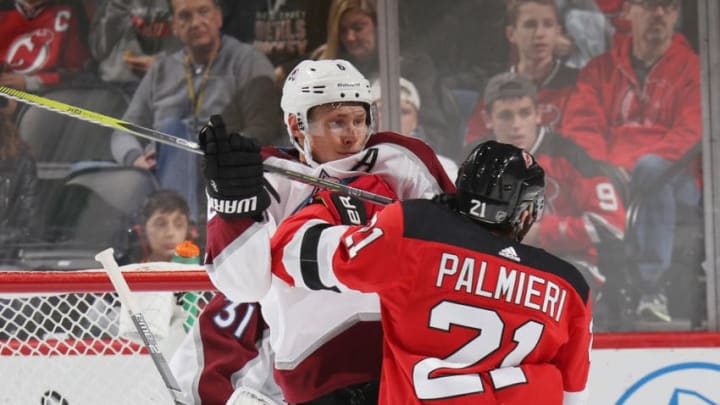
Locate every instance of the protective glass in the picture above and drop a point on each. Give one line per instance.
(342, 126)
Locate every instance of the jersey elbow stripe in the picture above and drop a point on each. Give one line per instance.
(309, 268)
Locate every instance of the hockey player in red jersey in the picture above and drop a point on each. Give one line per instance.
(470, 315)
(42, 43)
(327, 346)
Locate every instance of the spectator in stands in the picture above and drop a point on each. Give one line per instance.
(285, 31)
(638, 107)
(409, 110)
(18, 181)
(164, 224)
(181, 90)
(533, 26)
(352, 35)
(43, 43)
(581, 203)
(125, 37)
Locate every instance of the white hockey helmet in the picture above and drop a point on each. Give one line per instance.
(318, 82)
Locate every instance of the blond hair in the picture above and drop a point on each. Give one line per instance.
(338, 8)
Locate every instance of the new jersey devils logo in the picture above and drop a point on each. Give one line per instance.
(29, 53)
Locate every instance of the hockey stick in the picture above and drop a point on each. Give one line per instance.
(116, 278)
(157, 136)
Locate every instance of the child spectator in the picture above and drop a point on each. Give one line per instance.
(581, 203)
(164, 224)
(43, 43)
(534, 29)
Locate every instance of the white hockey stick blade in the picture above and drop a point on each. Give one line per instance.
(126, 299)
(249, 396)
(157, 136)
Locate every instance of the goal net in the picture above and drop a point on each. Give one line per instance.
(65, 338)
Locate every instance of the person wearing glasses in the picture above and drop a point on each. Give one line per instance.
(638, 107)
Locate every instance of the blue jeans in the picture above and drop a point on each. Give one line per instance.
(178, 169)
(657, 215)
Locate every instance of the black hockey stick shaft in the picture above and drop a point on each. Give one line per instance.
(157, 136)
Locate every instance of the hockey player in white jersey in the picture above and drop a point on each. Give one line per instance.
(327, 346)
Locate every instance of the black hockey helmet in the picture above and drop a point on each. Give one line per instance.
(497, 182)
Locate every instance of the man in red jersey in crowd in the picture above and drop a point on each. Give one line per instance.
(638, 108)
(43, 43)
(470, 315)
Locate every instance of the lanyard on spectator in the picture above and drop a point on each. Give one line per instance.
(196, 99)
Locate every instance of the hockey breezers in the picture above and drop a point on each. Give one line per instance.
(157, 136)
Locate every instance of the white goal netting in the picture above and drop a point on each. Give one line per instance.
(65, 338)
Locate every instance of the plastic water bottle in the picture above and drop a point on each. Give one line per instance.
(189, 253)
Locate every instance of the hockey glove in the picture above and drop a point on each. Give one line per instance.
(349, 210)
(233, 171)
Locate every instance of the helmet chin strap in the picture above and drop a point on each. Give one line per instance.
(307, 151)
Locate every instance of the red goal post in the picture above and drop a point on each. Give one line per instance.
(64, 336)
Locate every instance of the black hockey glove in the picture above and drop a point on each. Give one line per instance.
(233, 172)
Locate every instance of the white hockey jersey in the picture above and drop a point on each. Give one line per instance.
(313, 333)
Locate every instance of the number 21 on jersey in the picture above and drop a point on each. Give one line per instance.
(491, 326)
(361, 238)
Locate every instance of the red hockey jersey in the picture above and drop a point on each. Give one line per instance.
(468, 317)
(43, 48)
(578, 197)
(615, 119)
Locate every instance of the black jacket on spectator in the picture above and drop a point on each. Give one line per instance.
(18, 196)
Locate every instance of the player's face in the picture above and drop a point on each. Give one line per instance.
(197, 23)
(515, 121)
(337, 131)
(535, 32)
(165, 230)
(357, 35)
(653, 21)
